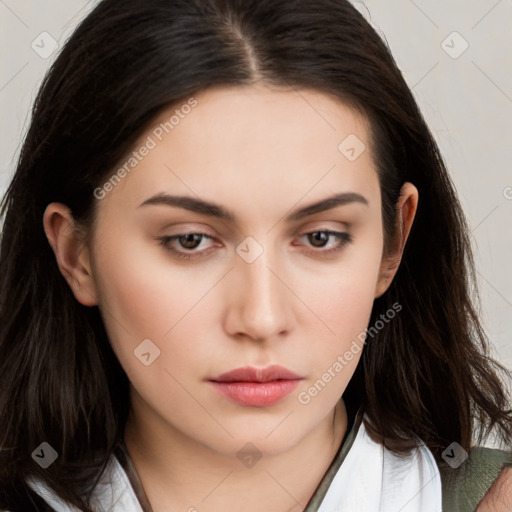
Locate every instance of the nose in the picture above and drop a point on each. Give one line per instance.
(258, 301)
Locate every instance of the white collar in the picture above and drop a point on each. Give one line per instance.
(373, 478)
(113, 493)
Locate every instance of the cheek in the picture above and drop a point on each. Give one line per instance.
(342, 298)
(343, 295)
(142, 295)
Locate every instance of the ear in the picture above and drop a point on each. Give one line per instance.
(71, 253)
(405, 210)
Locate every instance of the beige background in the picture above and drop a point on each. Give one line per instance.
(465, 96)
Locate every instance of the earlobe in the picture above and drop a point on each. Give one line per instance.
(71, 254)
(406, 211)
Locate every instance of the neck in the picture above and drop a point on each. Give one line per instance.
(178, 473)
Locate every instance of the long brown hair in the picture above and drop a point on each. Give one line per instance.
(427, 373)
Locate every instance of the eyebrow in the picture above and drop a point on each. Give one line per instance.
(214, 210)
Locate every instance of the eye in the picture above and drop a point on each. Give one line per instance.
(184, 245)
(321, 238)
(190, 245)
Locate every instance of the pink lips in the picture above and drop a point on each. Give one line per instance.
(256, 387)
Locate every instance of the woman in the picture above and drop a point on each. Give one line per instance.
(236, 276)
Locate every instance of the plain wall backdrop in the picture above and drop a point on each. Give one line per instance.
(454, 55)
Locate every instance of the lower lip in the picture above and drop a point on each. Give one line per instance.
(256, 394)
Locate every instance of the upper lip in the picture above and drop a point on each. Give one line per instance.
(250, 374)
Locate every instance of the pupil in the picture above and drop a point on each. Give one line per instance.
(190, 241)
(319, 239)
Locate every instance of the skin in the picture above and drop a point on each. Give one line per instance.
(261, 153)
(499, 497)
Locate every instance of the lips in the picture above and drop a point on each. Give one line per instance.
(256, 387)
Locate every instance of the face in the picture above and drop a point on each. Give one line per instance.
(249, 235)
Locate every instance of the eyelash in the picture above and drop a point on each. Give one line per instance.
(343, 240)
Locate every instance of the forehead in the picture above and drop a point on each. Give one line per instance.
(250, 144)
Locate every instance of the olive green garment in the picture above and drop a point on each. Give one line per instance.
(465, 486)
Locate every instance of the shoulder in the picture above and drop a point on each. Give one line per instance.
(483, 482)
(499, 497)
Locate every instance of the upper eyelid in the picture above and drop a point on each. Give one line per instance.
(302, 232)
(313, 229)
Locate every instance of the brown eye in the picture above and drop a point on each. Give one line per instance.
(326, 242)
(318, 238)
(187, 245)
(191, 240)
